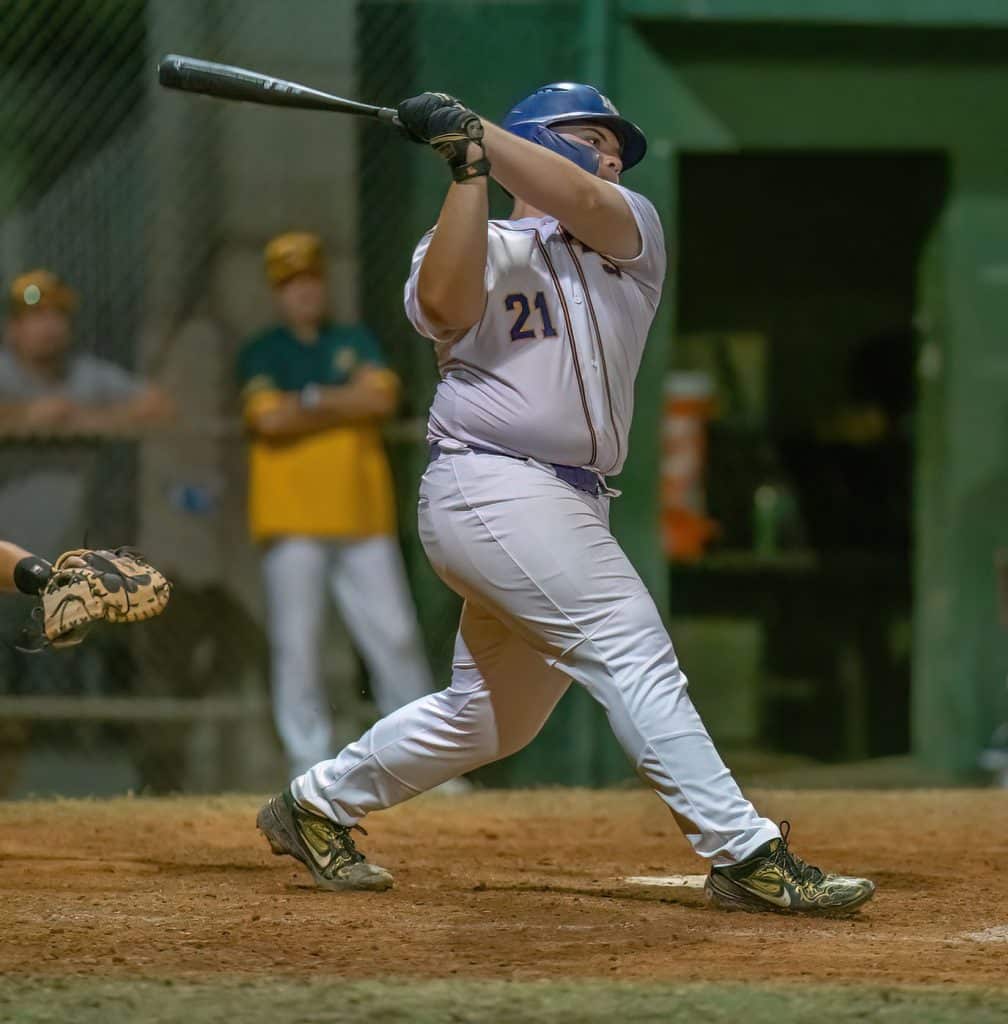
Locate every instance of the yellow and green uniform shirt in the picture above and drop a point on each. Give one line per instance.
(335, 483)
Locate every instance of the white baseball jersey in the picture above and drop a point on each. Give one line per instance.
(549, 370)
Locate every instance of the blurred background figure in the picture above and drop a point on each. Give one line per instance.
(56, 401)
(321, 502)
(49, 389)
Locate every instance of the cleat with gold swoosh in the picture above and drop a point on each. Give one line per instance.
(777, 880)
(325, 848)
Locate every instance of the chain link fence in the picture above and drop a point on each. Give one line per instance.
(154, 208)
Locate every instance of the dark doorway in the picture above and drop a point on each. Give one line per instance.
(797, 291)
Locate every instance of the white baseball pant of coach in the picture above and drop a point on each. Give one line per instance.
(368, 584)
(550, 596)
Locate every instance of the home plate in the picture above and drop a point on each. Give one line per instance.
(672, 881)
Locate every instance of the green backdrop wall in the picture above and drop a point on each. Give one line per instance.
(907, 76)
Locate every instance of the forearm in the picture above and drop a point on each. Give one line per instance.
(590, 208)
(337, 407)
(98, 421)
(10, 556)
(150, 406)
(451, 286)
(59, 417)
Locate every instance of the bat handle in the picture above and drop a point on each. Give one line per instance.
(387, 114)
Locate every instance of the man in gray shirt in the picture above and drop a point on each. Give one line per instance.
(50, 392)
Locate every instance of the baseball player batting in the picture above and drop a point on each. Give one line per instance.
(539, 324)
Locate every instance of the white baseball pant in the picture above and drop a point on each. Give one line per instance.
(369, 586)
(550, 596)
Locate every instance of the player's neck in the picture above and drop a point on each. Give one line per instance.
(307, 333)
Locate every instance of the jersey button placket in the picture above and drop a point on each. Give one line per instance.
(578, 300)
(572, 339)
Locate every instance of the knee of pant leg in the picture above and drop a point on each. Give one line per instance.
(640, 666)
(471, 723)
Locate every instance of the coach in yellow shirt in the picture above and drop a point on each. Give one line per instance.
(321, 501)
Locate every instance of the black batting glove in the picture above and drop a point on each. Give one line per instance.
(414, 114)
(441, 120)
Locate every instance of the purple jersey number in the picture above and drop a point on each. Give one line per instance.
(519, 301)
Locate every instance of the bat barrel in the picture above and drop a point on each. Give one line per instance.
(224, 81)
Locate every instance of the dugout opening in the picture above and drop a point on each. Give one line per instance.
(797, 289)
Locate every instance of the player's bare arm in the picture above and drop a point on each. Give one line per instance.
(452, 284)
(371, 396)
(584, 203)
(451, 288)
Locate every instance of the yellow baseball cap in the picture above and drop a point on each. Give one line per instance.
(41, 289)
(296, 252)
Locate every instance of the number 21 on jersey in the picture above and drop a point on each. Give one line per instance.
(518, 301)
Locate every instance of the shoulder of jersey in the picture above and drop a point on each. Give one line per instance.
(638, 196)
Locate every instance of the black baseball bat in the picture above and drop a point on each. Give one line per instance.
(209, 78)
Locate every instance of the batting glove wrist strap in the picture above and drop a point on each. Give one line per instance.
(455, 129)
(471, 171)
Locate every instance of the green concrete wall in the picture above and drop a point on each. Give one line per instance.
(732, 86)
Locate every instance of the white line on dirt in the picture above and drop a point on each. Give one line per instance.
(673, 881)
(999, 933)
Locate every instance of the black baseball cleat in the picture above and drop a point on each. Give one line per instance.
(775, 879)
(325, 848)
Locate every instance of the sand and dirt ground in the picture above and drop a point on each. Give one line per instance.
(496, 887)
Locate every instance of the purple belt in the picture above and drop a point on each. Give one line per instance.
(586, 480)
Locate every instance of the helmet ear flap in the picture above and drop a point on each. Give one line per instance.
(580, 153)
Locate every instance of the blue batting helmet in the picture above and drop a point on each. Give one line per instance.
(571, 102)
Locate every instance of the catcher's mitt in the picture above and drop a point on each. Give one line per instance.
(90, 586)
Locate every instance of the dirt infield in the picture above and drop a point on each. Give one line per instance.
(512, 885)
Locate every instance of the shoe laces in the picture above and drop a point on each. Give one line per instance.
(791, 863)
(337, 835)
(342, 837)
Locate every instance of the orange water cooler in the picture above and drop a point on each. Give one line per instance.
(688, 406)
